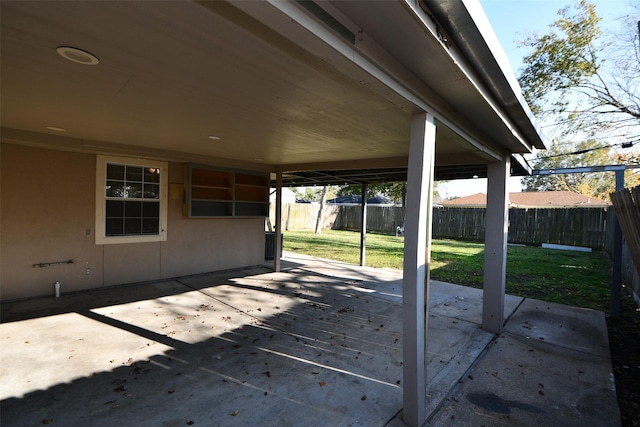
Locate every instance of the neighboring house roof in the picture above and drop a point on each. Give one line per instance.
(533, 199)
(376, 200)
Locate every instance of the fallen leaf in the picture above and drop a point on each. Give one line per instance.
(234, 413)
(363, 397)
(47, 421)
(322, 383)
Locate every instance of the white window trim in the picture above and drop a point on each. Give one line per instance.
(101, 163)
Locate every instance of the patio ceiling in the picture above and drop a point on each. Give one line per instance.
(296, 87)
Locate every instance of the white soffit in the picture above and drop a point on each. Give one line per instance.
(380, 65)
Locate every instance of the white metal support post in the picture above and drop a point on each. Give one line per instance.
(277, 251)
(417, 253)
(363, 225)
(495, 246)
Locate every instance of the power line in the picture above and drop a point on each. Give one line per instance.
(584, 169)
(626, 144)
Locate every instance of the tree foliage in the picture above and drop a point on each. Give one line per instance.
(395, 191)
(313, 194)
(584, 86)
(583, 81)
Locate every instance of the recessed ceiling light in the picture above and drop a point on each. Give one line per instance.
(56, 129)
(214, 137)
(77, 55)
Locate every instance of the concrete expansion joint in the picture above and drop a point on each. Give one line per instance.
(513, 312)
(458, 385)
(393, 418)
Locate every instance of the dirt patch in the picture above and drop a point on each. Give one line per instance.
(624, 342)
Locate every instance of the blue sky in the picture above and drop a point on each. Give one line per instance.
(512, 21)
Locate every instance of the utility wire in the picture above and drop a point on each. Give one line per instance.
(627, 144)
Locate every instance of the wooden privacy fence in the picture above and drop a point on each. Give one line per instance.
(585, 227)
(567, 226)
(627, 206)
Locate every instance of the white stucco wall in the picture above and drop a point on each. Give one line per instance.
(47, 215)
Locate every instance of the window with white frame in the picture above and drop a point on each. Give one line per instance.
(131, 200)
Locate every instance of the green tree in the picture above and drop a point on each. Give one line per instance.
(583, 86)
(313, 194)
(585, 82)
(395, 191)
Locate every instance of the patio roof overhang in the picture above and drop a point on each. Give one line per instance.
(321, 91)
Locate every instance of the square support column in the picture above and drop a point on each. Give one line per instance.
(277, 251)
(495, 246)
(363, 225)
(417, 254)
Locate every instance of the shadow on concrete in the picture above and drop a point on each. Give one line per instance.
(317, 344)
(286, 348)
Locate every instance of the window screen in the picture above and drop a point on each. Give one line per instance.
(132, 200)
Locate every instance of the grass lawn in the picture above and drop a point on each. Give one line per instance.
(579, 279)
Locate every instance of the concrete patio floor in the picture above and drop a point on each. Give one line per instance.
(318, 344)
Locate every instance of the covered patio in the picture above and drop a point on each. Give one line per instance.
(204, 104)
(317, 344)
